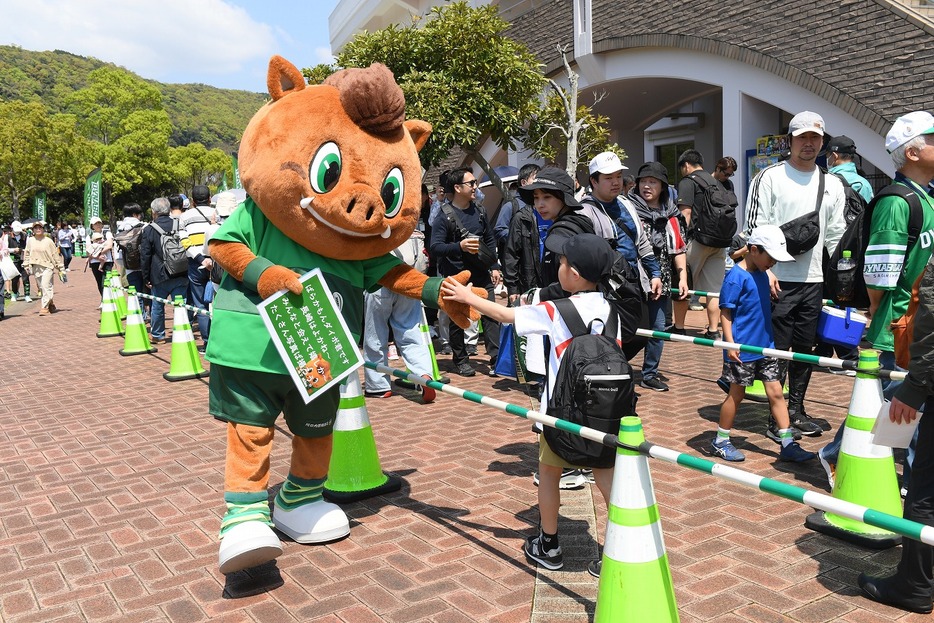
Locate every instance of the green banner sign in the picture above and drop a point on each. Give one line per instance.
(39, 206)
(311, 335)
(93, 193)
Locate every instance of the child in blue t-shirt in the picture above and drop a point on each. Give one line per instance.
(746, 318)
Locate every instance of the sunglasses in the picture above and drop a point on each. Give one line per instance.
(471, 183)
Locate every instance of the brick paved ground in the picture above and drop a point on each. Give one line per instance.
(111, 483)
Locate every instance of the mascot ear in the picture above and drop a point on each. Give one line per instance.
(283, 78)
(419, 130)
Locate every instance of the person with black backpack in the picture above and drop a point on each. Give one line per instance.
(895, 247)
(166, 279)
(709, 211)
(129, 240)
(589, 380)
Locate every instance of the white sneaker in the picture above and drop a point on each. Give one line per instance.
(318, 522)
(249, 544)
(28, 299)
(830, 469)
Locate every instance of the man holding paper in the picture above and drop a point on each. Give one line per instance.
(910, 588)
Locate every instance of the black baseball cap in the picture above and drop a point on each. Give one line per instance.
(201, 194)
(841, 145)
(589, 254)
(555, 180)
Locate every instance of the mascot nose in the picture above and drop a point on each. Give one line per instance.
(363, 209)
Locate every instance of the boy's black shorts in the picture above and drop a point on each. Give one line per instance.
(765, 369)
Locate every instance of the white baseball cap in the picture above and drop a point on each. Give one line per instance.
(17, 227)
(606, 162)
(907, 127)
(806, 121)
(772, 239)
(95, 219)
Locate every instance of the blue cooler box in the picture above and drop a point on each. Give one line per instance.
(841, 327)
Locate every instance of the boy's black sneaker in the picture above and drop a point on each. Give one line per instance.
(465, 369)
(594, 567)
(804, 423)
(655, 384)
(772, 432)
(534, 551)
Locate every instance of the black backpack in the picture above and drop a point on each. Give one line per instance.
(129, 242)
(173, 253)
(855, 204)
(855, 239)
(593, 387)
(714, 220)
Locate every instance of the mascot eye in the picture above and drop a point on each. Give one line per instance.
(325, 168)
(392, 191)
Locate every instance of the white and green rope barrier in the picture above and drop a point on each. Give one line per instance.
(819, 501)
(827, 362)
(197, 310)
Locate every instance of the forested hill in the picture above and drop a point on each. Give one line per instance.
(199, 113)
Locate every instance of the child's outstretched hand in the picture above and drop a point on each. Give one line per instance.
(452, 290)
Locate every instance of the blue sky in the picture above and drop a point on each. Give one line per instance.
(223, 43)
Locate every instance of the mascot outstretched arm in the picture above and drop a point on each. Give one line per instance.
(333, 182)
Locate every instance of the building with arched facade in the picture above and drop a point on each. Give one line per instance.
(718, 76)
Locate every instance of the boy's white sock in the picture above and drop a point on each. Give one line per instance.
(723, 434)
(786, 436)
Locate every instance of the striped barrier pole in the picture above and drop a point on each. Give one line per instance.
(827, 362)
(819, 501)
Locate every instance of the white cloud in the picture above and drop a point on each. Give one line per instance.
(323, 55)
(158, 39)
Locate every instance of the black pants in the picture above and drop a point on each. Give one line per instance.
(490, 336)
(794, 326)
(99, 270)
(916, 568)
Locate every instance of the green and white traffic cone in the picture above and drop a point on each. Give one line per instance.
(355, 472)
(865, 472)
(136, 341)
(635, 578)
(119, 294)
(185, 362)
(110, 318)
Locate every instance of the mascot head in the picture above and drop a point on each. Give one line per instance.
(335, 167)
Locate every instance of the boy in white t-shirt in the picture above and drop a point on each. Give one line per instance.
(585, 262)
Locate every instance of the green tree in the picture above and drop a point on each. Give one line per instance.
(124, 115)
(194, 164)
(38, 151)
(469, 88)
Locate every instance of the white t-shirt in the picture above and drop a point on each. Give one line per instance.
(544, 319)
(781, 193)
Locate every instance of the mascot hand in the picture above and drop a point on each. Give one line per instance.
(277, 278)
(461, 313)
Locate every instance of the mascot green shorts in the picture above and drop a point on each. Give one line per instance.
(257, 398)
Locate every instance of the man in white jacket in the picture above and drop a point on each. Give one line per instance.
(778, 195)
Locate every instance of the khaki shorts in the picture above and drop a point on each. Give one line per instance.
(708, 266)
(546, 456)
(257, 398)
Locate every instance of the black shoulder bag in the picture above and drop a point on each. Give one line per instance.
(802, 233)
(486, 257)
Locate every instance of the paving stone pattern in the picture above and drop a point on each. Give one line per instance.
(111, 480)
